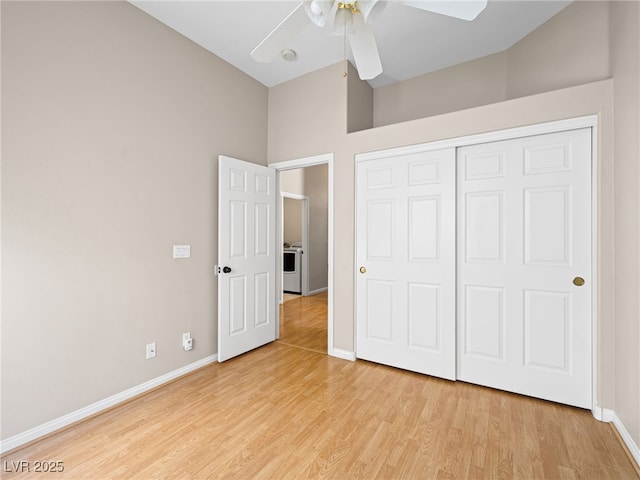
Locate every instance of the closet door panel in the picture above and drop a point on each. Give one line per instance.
(524, 225)
(475, 263)
(405, 277)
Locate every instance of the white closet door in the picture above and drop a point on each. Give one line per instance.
(524, 243)
(406, 262)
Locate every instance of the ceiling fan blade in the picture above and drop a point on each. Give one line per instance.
(279, 38)
(364, 49)
(463, 9)
(371, 9)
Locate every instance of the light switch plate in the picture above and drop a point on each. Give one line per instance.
(182, 251)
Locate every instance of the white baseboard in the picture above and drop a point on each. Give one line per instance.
(627, 438)
(603, 414)
(609, 416)
(343, 354)
(319, 290)
(58, 423)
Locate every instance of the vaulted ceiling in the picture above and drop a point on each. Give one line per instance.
(411, 41)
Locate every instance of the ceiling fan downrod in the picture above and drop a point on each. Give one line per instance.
(342, 6)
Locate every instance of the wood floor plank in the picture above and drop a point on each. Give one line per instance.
(282, 412)
(303, 322)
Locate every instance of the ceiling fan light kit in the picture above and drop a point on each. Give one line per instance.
(353, 20)
(318, 11)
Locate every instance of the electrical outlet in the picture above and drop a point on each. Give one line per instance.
(187, 341)
(151, 350)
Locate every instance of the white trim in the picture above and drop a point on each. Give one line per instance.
(319, 290)
(303, 162)
(626, 438)
(343, 354)
(280, 259)
(507, 134)
(294, 196)
(609, 416)
(305, 247)
(594, 264)
(326, 158)
(603, 414)
(99, 406)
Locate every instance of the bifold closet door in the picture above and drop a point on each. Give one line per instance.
(524, 286)
(405, 282)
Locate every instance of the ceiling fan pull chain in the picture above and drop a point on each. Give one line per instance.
(344, 47)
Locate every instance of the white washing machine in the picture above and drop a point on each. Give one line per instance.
(292, 278)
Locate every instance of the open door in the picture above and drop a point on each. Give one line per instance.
(246, 257)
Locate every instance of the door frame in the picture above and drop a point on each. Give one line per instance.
(322, 159)
(305, 237)
(587, 121)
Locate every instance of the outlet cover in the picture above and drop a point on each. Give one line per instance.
(187, 342)
(151, 350)
(182, 251)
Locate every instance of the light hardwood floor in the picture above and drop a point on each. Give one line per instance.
(285, 412)
(303, 322)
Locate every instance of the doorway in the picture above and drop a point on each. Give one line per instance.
(295, 242)
(307, 321)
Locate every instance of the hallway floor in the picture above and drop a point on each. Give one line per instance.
(303, 322)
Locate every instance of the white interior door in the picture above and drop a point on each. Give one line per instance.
(406, 262)
(524, 235)
(246, 257)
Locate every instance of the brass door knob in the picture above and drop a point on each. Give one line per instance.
(578, 281)
(363, 270)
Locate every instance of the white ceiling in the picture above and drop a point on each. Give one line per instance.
(411, 41)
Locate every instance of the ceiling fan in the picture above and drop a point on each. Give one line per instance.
(353, 20)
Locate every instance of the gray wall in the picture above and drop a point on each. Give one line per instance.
(470, 84)
(570, 49)
(316, 183)
(111, 128)
(292, 224)
(625, 65)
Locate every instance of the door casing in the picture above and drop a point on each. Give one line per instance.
(327, 159)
